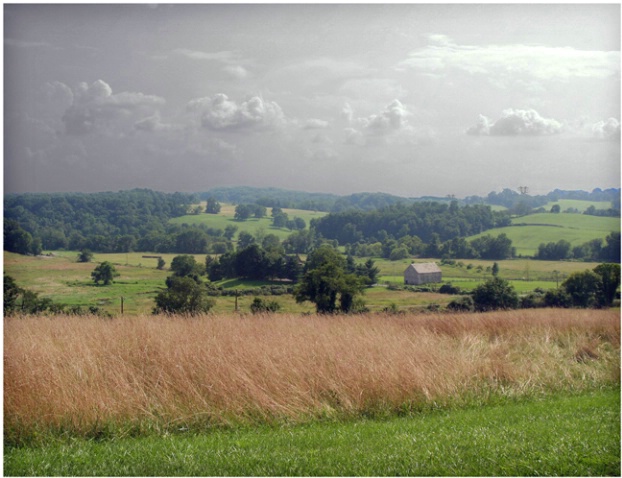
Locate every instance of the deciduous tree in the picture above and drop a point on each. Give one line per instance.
(325, 280)
(105, 272)
(183, 295)
(495, 293)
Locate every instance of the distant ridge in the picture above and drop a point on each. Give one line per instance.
(284, 198)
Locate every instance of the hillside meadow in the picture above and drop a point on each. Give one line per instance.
(252, 225)
(528, 232)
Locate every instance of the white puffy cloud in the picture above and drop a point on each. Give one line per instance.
(95, 104)
(393, 118)
(482, 127)
(58, 92)
(390, 126)
(220, 113)
(516, 122)
(607, 130)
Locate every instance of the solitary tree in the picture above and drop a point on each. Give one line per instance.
(105, 272)
(183, 295)
(325, 280)
(85, 256)
(185, 265)
(213, 206)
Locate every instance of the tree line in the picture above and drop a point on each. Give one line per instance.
(596, 288)
(101, 222)
(595, 250)
(138, 220)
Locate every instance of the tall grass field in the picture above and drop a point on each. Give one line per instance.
(91, 377)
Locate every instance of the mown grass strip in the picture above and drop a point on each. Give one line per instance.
(573, 435)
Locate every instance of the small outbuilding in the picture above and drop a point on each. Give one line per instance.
(422, 273)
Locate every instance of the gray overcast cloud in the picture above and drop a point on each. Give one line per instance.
(406, 99)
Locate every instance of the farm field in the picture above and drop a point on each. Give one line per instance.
(506, 393)
(252, 225)
(577, 204)
(528, 232)
(62, 279)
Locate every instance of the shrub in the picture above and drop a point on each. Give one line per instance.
(462, 304)
(495, 293)
(557, 298)
(449, 289)
(259, 306)
(85, 256)
(532, 300)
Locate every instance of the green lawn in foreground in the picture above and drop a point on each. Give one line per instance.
(562, 435)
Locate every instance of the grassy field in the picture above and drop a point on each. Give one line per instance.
(575, 435)
(66, 281)
(577, 204)
(511, 393)
(253, 225)
(528, 232)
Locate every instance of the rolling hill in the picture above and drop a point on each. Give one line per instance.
(528, 232)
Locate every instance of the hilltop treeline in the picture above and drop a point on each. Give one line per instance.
(514, 201)
(423, 220)
(273, 197)
(521, 204)
(102, 222)
(369, 225)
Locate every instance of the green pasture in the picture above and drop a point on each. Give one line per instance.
(577, 204)
(252, 225)
(477, 270)
(559, 435)
(62, 279)
(528, 232)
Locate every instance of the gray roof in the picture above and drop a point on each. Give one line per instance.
(425, 267)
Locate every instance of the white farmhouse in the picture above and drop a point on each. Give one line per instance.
(423, 273)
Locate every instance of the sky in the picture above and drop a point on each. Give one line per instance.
(406, 99)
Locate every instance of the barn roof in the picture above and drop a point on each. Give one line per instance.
(425, 267)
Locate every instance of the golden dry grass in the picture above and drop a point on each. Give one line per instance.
(76, 373)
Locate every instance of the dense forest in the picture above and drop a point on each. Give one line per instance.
(103, 222)
(419, 219)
